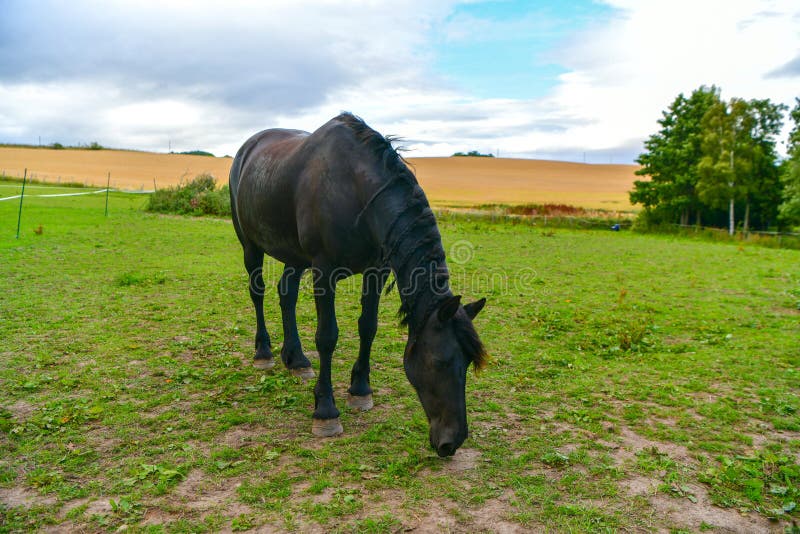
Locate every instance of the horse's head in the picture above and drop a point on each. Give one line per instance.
(436, 362)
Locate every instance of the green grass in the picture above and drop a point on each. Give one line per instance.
(127, 396)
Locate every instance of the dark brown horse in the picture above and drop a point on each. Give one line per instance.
(341, 201)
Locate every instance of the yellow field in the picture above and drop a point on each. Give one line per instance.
(452, 181)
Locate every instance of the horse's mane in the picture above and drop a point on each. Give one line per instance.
(381, 146)
(426, 233)
(470, 342)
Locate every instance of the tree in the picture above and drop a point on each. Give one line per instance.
(726, 156)
(739, 160)
(764, 187)
(790, 176)
(670, 160)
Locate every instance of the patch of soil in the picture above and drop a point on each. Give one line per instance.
(22, 497)
(197, 493)
(641, 485)
(685, 514)
(241, 436)
(462, 460)
(633, 443)
(100, 441)
(157, 516)
(434, 520)
(688, 515)
(21, 410)
(100, 506)
(183, 407)
(489, 517)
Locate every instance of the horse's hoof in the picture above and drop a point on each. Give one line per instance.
(326, 428)
(306, 373)
(264, 363)
(360, 403)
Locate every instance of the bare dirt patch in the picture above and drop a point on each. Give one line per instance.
(198, 493)
(22, 497)
(21, 410)
(492, 517)
(633, 443)
(462, 460)
(434, 520)
(680, 511)
(100, 506)
(688, 515)
(197, 496)
(241, 436)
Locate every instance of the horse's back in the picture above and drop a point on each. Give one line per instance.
(296, 196)
(254, 147)
(262, 196)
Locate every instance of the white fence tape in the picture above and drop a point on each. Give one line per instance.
(78, 194)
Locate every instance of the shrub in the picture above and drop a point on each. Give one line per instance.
(472, 154)
(198, 197)
(197, 153)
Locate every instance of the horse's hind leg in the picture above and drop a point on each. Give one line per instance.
(360, 393)
(292, 351)
(254, 263)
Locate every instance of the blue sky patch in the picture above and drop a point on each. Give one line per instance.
(506, 49)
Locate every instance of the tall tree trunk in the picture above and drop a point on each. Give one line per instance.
(747, 217)
(699, 222)
(685, 217)
(731, 226)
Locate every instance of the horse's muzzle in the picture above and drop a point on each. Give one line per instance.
(447, 442)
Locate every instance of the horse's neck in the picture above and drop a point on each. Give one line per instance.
(411, 245)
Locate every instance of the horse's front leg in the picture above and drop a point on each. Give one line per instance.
(326, 415)
(360, 393)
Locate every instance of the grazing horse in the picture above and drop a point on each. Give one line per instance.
(341, 201)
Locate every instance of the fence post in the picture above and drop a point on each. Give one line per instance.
(108, 185)
(21, 196)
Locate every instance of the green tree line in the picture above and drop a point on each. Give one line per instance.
(714, 163)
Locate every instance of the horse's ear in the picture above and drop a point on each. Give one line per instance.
(449, 308)
(473, 308)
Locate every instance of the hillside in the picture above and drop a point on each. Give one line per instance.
(451, 181)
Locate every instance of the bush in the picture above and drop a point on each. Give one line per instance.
(472, 154)
(198, 197)
(197, 153)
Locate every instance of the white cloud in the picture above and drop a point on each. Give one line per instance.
(142, 74)
(623, 74)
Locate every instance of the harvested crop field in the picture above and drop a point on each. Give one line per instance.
(461, 181)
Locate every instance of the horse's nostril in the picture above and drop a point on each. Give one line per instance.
(446, 449)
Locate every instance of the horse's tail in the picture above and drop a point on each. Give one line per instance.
(233, 187)
(235, 177)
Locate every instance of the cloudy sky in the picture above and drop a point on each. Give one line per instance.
(534, 79)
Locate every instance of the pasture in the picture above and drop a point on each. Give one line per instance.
(637, 383)
(459, 181)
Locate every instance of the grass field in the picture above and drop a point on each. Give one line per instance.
(637, 383)
(449, 181)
